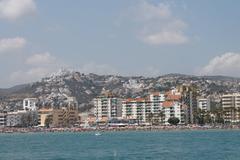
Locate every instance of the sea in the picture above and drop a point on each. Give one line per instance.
(126, 145)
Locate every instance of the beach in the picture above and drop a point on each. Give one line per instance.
(113, 129)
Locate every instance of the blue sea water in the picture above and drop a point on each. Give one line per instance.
(159, 145)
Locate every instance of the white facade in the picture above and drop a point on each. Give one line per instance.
(203, 104)
(134, 109)
(173, 109)
(156, 99)
(231, 107)
(231, 100)
(107, 107)
(15, 118)
(3, 119)
(156, 107)
(29, 104)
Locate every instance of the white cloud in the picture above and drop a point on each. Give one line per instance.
(36, 67)
(33, 74)
(166, 37)
(11, 44)
(14, 9)
(158, 25)
(147, 11)
(37, 72)
(98, 69)
(226, 64)
(41, 59)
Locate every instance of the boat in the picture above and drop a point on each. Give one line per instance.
(98, 134)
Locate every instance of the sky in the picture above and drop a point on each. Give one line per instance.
(128, 38)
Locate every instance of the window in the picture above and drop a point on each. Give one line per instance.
(26, 103)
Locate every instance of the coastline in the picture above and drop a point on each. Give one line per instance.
(116, 129)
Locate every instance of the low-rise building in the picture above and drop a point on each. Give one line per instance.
(44, 115)
(65, 117)
(15, 119)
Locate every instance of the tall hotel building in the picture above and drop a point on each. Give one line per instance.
(134, 109)
(107, 107)
(231, 107)
(156, 100)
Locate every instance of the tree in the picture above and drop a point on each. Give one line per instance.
(173, 121)
(155, 119)
(29, 119)
(162, 116)
(150, 118)
(218, 112)
(48, 121)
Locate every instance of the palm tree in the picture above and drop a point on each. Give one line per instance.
(150, 118)
(162, 116)
(48, 121)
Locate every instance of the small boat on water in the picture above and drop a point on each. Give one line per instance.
(98, 134)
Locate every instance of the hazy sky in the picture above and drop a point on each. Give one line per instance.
(124, 37)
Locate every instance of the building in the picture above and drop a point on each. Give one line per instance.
(156, 99)
(65, 117)
(91, 119)
(3, 119)
(44, 115)
(134, 109)
(189, 99)
(231, 107)
(29, 104)
(203, 104)
(173, 109)
(153, 109)
(107, 107)
(15, 119)
(156, 109)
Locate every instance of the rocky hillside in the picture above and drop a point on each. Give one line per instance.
(55, 89)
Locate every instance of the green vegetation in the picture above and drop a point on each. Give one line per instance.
(173, 121)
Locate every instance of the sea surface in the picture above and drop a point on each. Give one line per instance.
(128, 145)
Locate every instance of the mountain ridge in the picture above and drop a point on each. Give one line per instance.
(14, 87)
(55, 89)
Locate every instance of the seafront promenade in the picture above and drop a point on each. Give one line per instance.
(128, 128)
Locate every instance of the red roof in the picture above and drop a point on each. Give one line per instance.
(135, 100)
(155, 93)
(174, 97)
(168, 104)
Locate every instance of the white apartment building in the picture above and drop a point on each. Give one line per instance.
(30, 104)
(203, 104)
(3, 119)
(173, 109)
(156, 107)
(156, 99)
(107, 107)
(134, 109)
(14, 118)
(231, 107)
